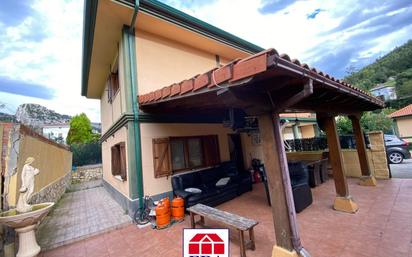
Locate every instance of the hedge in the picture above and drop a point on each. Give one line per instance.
(86, 154)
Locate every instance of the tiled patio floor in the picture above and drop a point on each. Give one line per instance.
(381, 228)
(79, 215)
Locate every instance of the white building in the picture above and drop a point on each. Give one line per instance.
(385, 92)
(56, 132)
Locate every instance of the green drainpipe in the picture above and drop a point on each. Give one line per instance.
(130, 37)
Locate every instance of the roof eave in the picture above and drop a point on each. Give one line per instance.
(182, 19)
(89, 21)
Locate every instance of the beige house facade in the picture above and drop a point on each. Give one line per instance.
(403, 122)
(132, 53)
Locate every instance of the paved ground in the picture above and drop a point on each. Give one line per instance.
(403, 170)
(86, 185)
(79, 215)
(381, 228)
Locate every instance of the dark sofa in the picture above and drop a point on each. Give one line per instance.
(299, 180)
(240, 182)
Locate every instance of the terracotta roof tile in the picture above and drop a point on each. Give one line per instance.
(244, 68)
(405, 111)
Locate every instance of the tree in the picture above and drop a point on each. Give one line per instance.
(370, 121)
(80, 130)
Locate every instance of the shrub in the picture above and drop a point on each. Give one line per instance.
(86, 154)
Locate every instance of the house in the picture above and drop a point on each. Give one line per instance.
(56, 132)
(178, 95)
(300, 125)
(387, 92)
(403, 122)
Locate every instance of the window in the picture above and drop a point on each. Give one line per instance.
(119, 160)
(176, 154)
(113, 86)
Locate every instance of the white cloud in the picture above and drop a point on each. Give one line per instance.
(54, 61)
(51, 56)
(310, 40)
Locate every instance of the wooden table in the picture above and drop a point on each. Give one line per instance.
(240, 223)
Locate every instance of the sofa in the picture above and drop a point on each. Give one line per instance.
(205, 180)
(299, 180)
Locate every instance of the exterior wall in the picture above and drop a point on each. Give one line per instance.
(111, 112)
(307, 131)
(121, 186)
(162, 62)
(376, 156)
(250, 150)
(288, 133)
(350, 160)
(388, 93)
(149, 131)
(53, 161)
(404, 125)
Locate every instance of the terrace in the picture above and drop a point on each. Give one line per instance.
(382, 227)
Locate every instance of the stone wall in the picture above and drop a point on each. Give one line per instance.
(378, 155)
(87, 173)
(52, 192)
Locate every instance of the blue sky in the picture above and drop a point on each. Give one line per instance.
(40, 40)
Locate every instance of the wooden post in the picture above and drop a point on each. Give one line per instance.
(367, 179)
(283, 209)
(343, 201)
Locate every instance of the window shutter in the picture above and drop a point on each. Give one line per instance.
(109, 90)
(123, 165)
(211, 150)
(161, 157)
(115, 160)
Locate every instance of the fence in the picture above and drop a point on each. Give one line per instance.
(320, 143)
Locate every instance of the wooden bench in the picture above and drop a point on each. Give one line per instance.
(241, 224)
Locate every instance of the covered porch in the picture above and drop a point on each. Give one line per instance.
(381, 228)
(263, 86)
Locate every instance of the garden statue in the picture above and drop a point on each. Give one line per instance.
(27, 186)
(25, 218)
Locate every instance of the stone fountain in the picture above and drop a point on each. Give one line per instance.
(25, 217)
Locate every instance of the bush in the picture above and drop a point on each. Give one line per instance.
(86, 154)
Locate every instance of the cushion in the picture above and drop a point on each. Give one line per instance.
(193, 190)
(222, 181)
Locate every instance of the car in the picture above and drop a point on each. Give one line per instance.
(396, 149)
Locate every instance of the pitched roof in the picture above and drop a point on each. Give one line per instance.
(405, 111)
(199, 237)
(263, 65)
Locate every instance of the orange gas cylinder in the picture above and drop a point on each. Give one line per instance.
(162, 216)
(166, 202)
(178, 209)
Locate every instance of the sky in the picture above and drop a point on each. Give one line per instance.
(41, 40)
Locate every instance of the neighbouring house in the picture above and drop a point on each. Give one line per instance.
(179, 95)
(300, 125)
(18, 142)
(56, 132)
(384, 91)
(403, 122)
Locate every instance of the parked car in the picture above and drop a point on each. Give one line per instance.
(396, 149)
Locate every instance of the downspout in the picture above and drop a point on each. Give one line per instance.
(136, 127)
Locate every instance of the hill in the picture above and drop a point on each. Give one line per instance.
(397, 64)
(35, 115)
